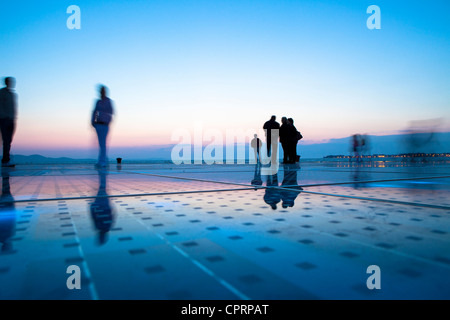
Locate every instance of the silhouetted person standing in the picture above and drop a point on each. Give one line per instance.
(256, 144)
(8, 112)
(268, 127)
(101, 118)
(287, 136)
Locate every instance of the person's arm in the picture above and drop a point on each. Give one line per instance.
(111, 110)
(15, 104)
(2, 100)
(93, 114)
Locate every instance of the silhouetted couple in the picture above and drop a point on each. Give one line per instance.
(289, 137)
(101, 118)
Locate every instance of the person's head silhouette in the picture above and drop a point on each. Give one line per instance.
(291, 121)
(273, 118)
(103, 92)
(10, 82)
(284, 120)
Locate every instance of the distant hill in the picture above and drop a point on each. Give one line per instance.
(38, 159)
(389, 144)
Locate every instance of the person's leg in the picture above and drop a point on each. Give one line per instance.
(269, 144)
(3, 132)
(289, 151)
(7, 130)
(293, 152)
(102, 132)
(105, 129)
(285, 147)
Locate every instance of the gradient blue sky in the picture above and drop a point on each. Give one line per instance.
(227, 64)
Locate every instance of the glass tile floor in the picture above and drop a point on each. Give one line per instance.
(225, 231)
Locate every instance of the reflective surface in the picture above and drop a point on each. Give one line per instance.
(225, 232)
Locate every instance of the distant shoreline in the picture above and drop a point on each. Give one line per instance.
(41, 160)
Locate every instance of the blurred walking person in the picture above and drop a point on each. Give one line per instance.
(356, 146)
(100, 120)
(8, 113)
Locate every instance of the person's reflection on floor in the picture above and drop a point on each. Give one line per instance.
(358, 176)
(290, 181)
(101, 210)
(257, 181)
(272, 195)
(7, 213)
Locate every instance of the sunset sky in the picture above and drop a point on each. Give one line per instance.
(226, 64)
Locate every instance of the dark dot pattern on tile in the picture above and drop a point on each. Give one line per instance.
(4, 269)
(410, 273)
(137, 251)
(442, 259)
(265, 249)
(71, 245)
(190, 244)
(74, 260)
(306, 265)
(215, 258)
(250, 279)
(341, 234)
(349, 254)
(385, 245)
(306, 241)
(415, 238)
(154, 269)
